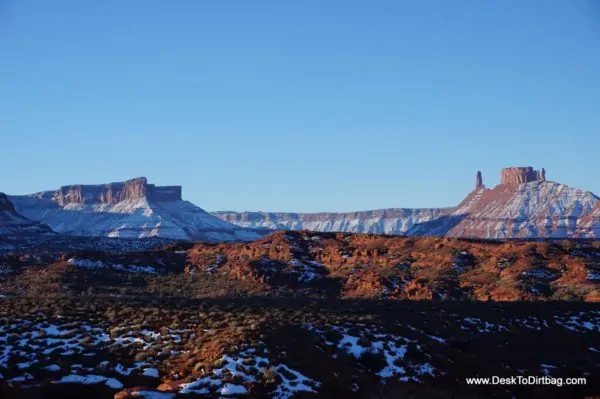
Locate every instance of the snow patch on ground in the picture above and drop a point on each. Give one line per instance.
(98, 264)
(530, 322)
(308, 270)
(220, 261)
(539, 273)
(89, 379)
(593, 275)
(44, 342)
(152, 395)
(302, 271)
(545, 368)
(151, 372)
(482, 326)
(582, 323)
(358, 341)
(247, 366)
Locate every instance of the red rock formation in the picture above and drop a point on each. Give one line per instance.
(479, 181)
(520, 175)
(112, 193)
(68, 195)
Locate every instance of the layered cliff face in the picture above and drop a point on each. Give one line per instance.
(529, 210)
(12, 223)
(113, 193)
(520, 175)
(130, 209)
(381, 221)
(589, 224)
(523, 205)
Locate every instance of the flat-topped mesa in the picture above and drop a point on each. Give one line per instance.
(520, 175)
(113, 193)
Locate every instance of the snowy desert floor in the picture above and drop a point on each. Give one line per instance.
(279, 348)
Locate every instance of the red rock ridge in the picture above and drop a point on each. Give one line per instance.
(112, 193)
(520, 175)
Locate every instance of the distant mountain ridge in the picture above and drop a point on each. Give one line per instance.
(523, 205)
(12, 223)
(129, 209)
(379, 221)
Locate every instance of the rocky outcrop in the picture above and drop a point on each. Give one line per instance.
(544, 209)
(479, 181)
(12, 223)
(589, 225)
(130, 209)
(512, 209)
(401, 267)
(5, 204)
(520, 175)
(113, 193)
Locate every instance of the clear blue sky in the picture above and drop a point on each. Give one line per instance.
(299, 105)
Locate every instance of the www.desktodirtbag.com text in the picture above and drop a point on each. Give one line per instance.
(524, 380)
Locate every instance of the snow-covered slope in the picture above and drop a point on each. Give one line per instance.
(132, 209)
(381, 221)
(533, 209)
(525, 205)
(11, 223)
(589, 225)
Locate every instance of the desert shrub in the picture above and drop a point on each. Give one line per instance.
(249, 361)
(152, 352)
(12, 339)
(413, 353)
(198, 367)
(140, 357)
(286, 374)
(165, 353)
(372, 361)
(333, 336)
(115, 332)
(568, 245)
(364, 341)
(569, 294)
(270, 375)
(190, 364)
(111, 315)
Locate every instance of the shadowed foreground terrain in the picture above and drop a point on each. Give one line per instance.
(268, 347)
(301, 315)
